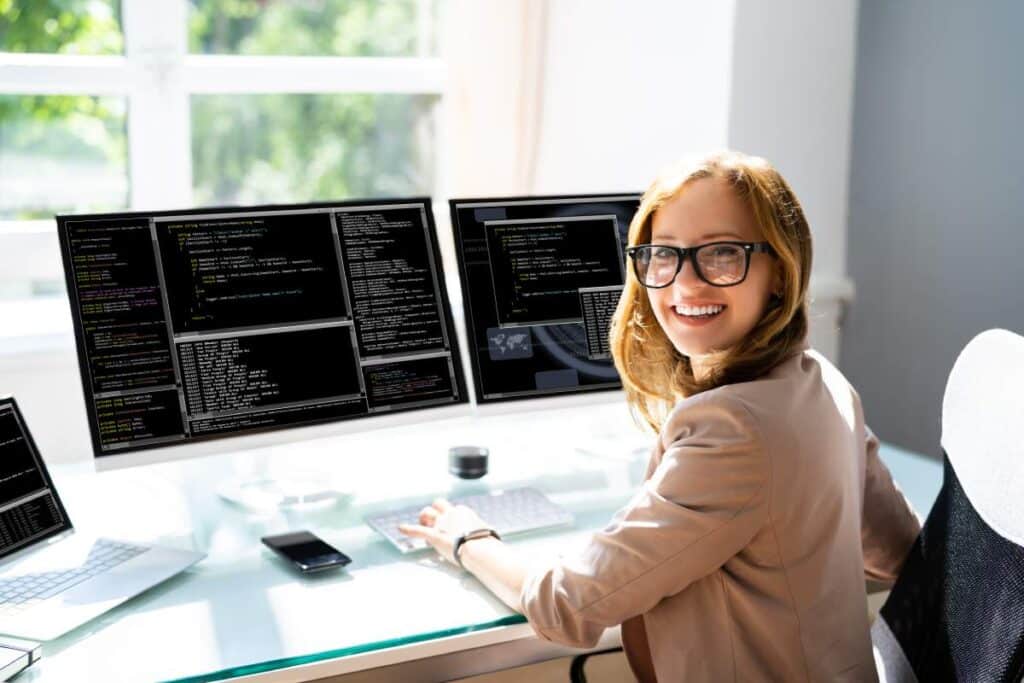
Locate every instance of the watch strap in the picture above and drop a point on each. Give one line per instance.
(469, 536)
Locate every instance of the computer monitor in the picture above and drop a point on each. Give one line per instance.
(30, 509)
(541, 277)
(201, 324)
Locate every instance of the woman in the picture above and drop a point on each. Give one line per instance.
(744, 553)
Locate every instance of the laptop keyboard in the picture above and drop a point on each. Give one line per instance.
(21, 592)
(509, 512)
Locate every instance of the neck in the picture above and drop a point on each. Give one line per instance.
(701, 367)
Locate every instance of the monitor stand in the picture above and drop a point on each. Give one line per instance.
(256, 486)
(270, 494)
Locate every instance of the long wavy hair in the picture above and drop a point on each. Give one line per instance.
(654, 374)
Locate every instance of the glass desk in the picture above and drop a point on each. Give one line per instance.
(242, 612)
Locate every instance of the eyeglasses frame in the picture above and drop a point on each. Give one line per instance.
(690, 253)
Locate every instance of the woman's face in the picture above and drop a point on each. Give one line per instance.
(708, 210)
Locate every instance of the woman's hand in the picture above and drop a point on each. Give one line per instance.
(496, 565)
(441, 523)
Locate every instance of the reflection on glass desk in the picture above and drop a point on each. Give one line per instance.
(244, 612)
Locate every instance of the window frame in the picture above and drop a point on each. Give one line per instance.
(157, 75)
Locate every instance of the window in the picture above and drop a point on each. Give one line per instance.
(251, 149)
(115, 104)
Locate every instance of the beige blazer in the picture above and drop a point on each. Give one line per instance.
(743, 556)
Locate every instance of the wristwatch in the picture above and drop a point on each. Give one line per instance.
(469, 536)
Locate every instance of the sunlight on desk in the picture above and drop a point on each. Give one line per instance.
(244, 611)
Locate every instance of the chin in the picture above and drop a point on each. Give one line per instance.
(689, 349)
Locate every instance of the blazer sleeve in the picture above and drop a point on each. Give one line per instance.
(703, 503)
(889, 525)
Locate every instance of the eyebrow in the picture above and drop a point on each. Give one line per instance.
(703, 239)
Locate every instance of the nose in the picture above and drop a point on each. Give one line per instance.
(687, 279)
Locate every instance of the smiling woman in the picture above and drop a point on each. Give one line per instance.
(757, 282)
(744, 552)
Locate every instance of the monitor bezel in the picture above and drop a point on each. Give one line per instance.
(130, 455)
(553, 399)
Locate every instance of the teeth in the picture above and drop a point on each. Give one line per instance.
(698, 310)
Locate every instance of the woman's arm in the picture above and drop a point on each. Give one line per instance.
(890, 524)
(498, 567)
(495, 564)
(704, 502)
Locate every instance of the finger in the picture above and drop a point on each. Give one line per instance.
(428, 516)
(417, 531)
(442, 505)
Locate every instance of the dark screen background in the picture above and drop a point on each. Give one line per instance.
(23, 473)
(536, 360)
(19, 472)
(238, 275)
(258, 270)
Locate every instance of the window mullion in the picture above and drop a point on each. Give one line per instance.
(44, 74)
(159, 138)
(219, 74)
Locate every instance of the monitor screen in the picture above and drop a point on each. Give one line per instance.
(30, 510)
(208, 323)
(541, 277)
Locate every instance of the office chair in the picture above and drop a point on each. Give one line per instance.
(956, 612)
(577, 674)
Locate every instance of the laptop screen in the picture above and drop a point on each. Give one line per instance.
(30, 510)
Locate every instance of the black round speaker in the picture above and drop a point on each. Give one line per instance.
(468, 462)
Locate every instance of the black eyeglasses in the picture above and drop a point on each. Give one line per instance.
(721, 264)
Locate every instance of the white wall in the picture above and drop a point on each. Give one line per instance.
(792, 103)
(629, 88)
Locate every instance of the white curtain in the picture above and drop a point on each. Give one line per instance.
(496, 52)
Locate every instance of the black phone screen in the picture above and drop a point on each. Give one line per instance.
(306, 550)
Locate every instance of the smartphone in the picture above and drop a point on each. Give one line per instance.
(306, 551)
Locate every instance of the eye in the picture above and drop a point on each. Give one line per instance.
(724, 250)
(664, 253)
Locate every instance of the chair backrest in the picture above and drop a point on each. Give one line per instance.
(957, 610)
(983, 428)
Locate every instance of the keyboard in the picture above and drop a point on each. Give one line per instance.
(509, 512)
(22, 592)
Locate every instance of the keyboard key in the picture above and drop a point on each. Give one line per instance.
(23, 592)
(58, 588)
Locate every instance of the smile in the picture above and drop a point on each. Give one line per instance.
(698, 312)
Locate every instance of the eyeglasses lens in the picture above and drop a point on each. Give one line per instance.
(722, 264)
(719, 264)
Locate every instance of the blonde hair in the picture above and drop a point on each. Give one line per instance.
(654, 374)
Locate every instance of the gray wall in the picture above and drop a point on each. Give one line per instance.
(936, 222)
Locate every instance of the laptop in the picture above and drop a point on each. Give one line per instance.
(52, 579)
